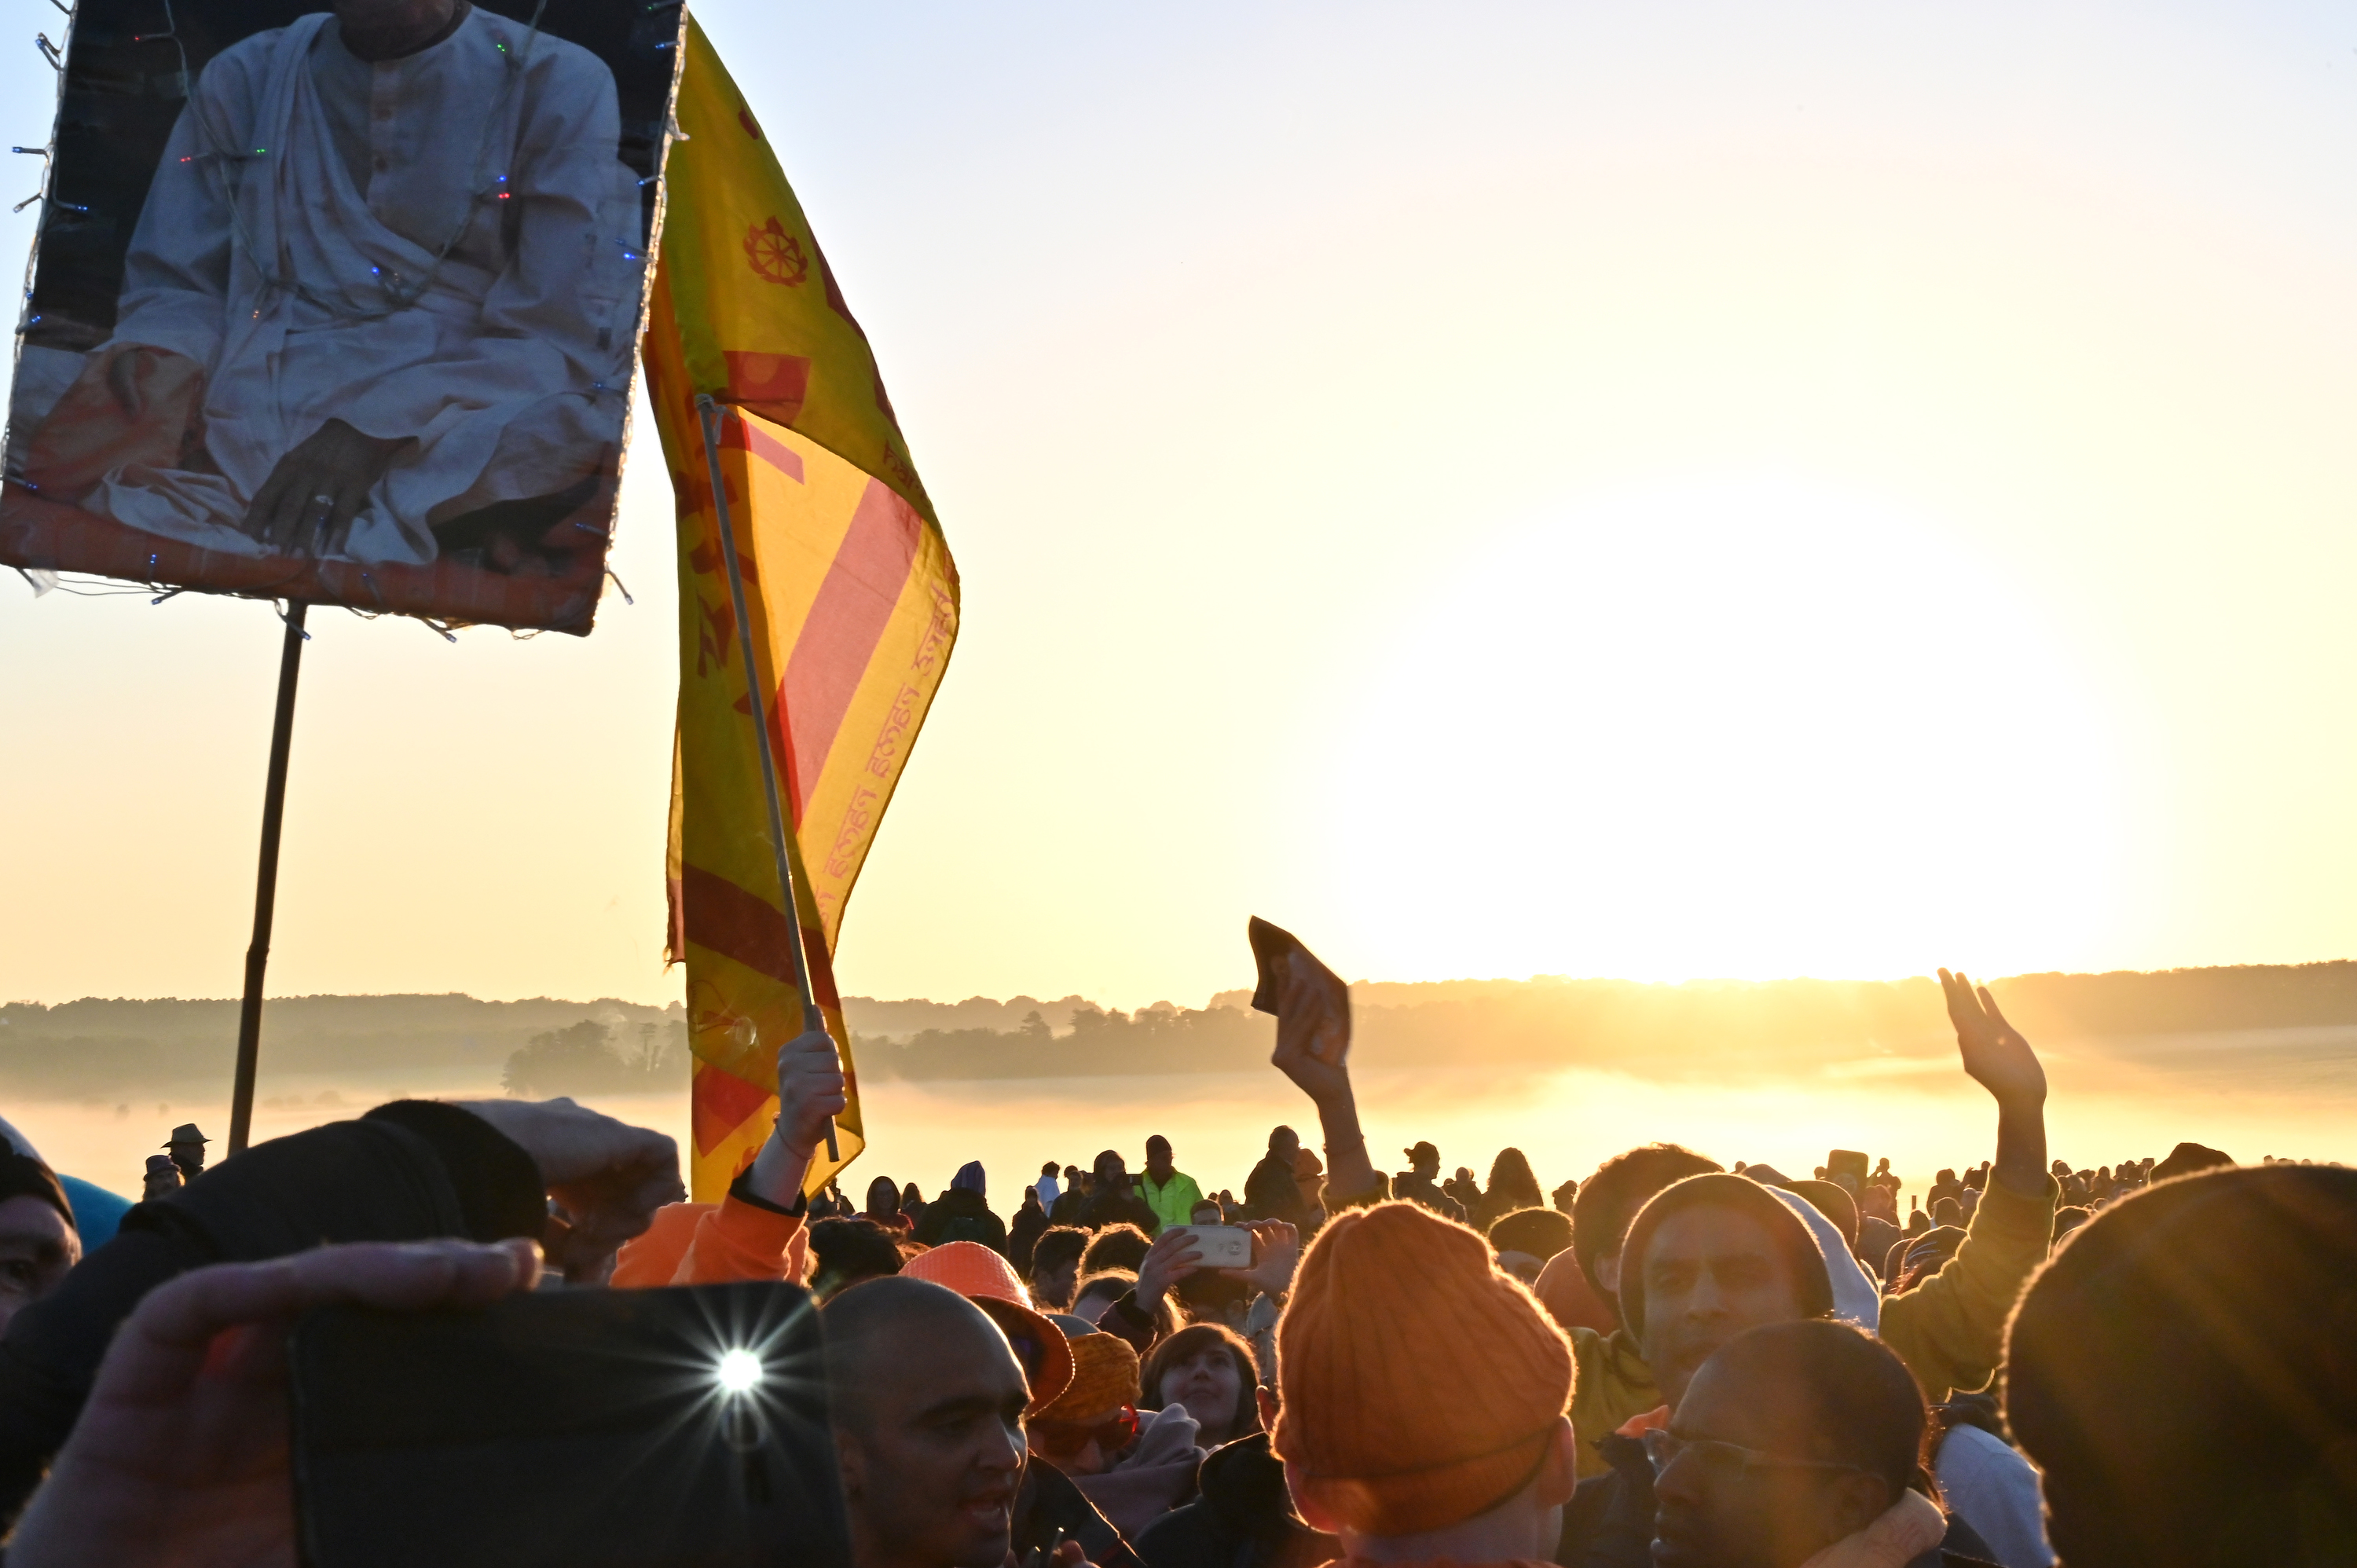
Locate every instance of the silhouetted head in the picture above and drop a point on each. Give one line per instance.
(1602, 1209)
(1115, 1247)
(1511, 1181)
(2184, 1371)
(1790, 1438)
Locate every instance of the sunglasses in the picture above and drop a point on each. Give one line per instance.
(1664, 1448)
(1054, 1437)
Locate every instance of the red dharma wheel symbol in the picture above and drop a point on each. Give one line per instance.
(776, 255)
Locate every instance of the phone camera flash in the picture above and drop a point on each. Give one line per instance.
(739, 1372)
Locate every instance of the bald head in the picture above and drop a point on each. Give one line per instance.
(883, 1326)
(927, 1400)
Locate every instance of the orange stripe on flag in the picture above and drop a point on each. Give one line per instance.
(740, 436)
(854, 605)
(717, 913)
(720, 1104)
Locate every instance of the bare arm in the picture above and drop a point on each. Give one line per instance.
(2000, 1060)
(1313, 1035)
(811, 1092)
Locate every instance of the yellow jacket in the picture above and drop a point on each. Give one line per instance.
(1950, 1329)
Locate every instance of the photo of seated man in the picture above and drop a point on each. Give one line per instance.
(379, 304)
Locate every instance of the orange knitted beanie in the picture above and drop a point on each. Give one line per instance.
(1421, 1386)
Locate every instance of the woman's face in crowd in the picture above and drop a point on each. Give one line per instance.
(1207, 1384)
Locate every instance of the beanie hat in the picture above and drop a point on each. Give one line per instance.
(1787, 1229)
(1104, 1379)
(1421, 1386)
(968, 1178)
(22, 1175)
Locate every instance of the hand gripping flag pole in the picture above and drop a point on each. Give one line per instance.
(812, 1019)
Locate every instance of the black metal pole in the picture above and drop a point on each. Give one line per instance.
(265, 892)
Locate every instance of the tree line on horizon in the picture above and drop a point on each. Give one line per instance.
(90, 1050)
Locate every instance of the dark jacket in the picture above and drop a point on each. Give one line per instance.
(1030, 1224)
(1110, 1207)
(1609, 1521)
(1243, 1518)
(409, 1171)
(961, 1215)
(1424, 1190)
(1050, 1510)
(1271, 1193)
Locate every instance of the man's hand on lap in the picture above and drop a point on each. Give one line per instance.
(308, 504)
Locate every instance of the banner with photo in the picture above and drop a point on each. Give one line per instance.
(341, 304)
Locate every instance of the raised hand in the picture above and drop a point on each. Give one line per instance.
(2001, 1061)
(811, 1092)
(1994, 1055)
(609, 1176)
(811, 1089)
(1313, 1029)
(1276, 1250)
(180, 1456)
(1176, 1254)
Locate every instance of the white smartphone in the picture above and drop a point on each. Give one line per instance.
(1220, 1246)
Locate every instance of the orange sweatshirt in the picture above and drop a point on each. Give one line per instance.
(713, 1243)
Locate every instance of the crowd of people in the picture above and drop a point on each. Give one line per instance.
(1671, 1362)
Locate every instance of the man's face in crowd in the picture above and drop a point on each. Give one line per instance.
(163, 1176)
(1053, 1285)
(37, 1248)
(1710, 1272)
(1716, 1509)
(1285, 1144)
(1158, 1160)
(934, 1451)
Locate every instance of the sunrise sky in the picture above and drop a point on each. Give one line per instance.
(1660, 491)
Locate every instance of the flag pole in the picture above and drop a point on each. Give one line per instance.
(709, 414)
(265, 892)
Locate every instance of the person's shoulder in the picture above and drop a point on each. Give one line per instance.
(246, 61)
(547, 60)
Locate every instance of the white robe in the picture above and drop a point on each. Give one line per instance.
(510, 370)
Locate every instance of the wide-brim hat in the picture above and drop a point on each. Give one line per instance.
(986, 1279)
(185, 1132)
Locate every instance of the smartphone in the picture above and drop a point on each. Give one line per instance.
(1848, 1163)
(594, 1428)
(1220, 1246)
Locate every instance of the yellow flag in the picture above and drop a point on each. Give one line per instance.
(850, 593)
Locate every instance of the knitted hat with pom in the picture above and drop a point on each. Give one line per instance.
(1421, 1386)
